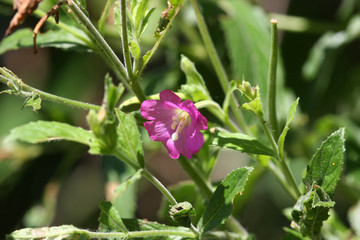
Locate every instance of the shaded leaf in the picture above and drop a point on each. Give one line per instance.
(110, 217)
(195, 88)
(44, 131)
(311, 210)
(325, 166)
(53, 38)
(240, 142)
(129, 138)
(220, 203)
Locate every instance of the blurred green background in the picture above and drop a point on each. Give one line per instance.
(60, 183)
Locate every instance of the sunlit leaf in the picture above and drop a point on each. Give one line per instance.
(220, 203)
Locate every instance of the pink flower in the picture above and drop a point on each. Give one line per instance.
(175, 123)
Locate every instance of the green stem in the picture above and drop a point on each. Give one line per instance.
(161, 36)
(125, 43)
(136, 234)
(215, 60)
(201, 182)
(272, 78)
(106, 51)
(207, 190)
(28, 91)
(284, 167)
(159, 186)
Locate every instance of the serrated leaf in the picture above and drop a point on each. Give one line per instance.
(311, 210)
(49, 233)
(325, 166)
(45, 131)
(110, 217)
(129, 138)
(241, 142)
(289, 119)
(23, 38)
(220, 203)
(195, 88)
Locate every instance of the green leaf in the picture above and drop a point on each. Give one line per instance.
(220, 203)
(129, 138)
(247, 37)
(254, 106)
(195, 88)
(228, 96)
(290, 117)
(50, 233)
(34, 101)
(53, 38)
(325, 166)
(311, 210)
(44, 131)
(241, 142)
(110, 217)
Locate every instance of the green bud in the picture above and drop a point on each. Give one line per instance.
(250, 93)
(182, 213)
(103, 125)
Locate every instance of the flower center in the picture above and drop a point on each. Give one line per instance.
(180, 120)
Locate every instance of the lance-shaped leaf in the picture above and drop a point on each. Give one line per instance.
(110, 217)
(50, 233)
(129, 138)
(45, 131)
(241, 142)
(220, 203)
(325, 166)
(290, 117)
(195, 88)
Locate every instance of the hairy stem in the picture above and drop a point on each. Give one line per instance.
(106, 51)
(28, 91)
(159, 186)
(272, 78)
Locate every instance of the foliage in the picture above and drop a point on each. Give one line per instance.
(201, 50)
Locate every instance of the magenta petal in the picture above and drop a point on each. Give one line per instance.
(157, 110)
(158, 131)
(170, 145)
(197, 119)
(168, 97)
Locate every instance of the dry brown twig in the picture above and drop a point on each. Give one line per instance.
(25, 8)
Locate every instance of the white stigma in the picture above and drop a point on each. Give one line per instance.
(179, 122)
